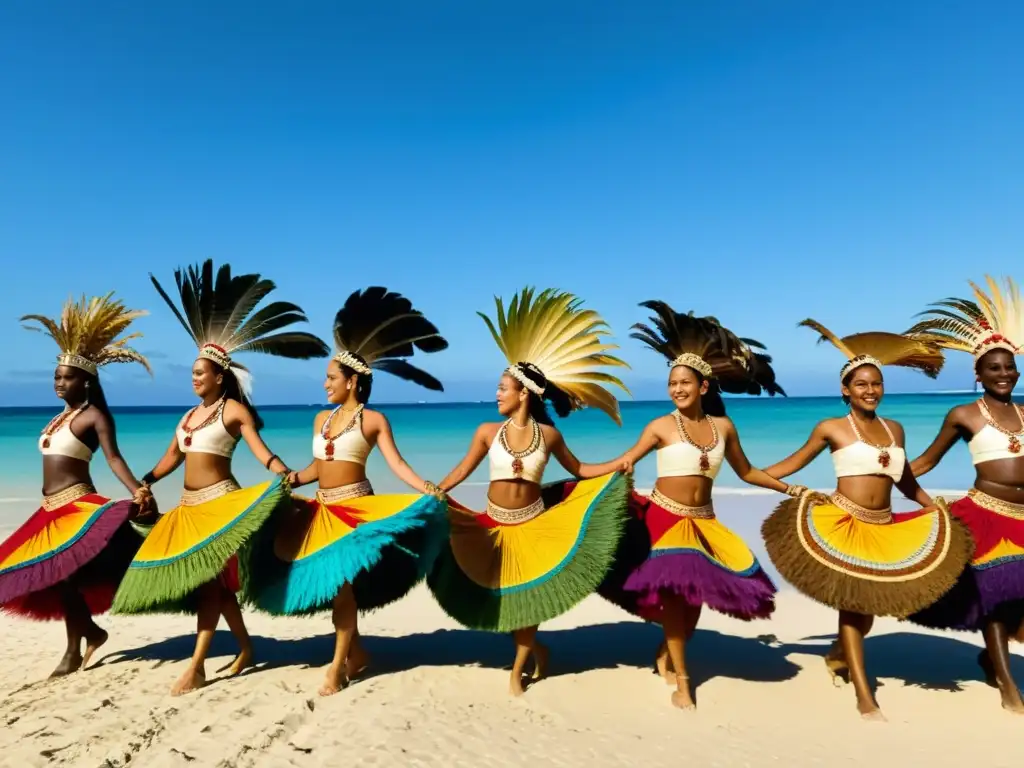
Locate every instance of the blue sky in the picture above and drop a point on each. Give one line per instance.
(762, 162)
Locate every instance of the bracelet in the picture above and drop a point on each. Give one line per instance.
(149, 478)
(271, 460)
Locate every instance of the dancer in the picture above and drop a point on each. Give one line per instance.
(347, 548)
(187, 561)
(850, 551)
(536, 551)
(990, 595)
(680, 557)
(66, 560)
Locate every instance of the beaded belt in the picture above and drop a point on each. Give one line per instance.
(992, 504)
(513, 516)
(209, 493)
(75, 492)
(865, 515)
(342, 492)
(704, 512)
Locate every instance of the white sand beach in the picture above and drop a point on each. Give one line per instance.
(436, 695)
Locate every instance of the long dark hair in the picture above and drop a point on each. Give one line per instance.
(96, 397)
(559, 398)
(364, 381)
(233, 391)
(711, 402)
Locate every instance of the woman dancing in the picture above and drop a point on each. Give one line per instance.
(348, 548)
(850, 551)
(536, 551)
(680, 557)
(990, 595)
(67, 559)
(187, 553)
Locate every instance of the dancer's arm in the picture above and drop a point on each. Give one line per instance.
(816, 443)
(477, 452)
(952, 430)
(304, 476)
(170, 461)
(908, 483)
(236, 413)
(107, 434)
(646, 443)
(741, 465)
(381, 427)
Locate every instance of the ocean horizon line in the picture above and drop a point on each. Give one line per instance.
(451, 403)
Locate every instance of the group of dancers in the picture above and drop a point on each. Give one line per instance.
(537, 549)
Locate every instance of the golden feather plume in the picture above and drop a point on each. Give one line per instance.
(552, 331)
(888, 348)
(975, 326)
(89, 329)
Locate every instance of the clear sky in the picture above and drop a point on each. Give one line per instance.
(760, 161)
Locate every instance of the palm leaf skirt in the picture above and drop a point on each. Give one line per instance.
(878, 569)
(503, 577)
(192, 545)
(86, 542)
(382, 545)
(697, 559)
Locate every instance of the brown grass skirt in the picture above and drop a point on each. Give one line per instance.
(887, 569)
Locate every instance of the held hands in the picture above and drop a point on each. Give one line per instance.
(814, 497)
(293, 479)
(625, 467)
(143, 499)
(431, 489)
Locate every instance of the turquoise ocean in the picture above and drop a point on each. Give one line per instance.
(433, 438)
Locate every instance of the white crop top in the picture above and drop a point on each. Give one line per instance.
(686, 459)
(63, 442)
(991, 443)
(209, 437)
(862, 458)
(348, 445)
(528, 465)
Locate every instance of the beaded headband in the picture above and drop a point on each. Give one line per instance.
(690, 360)
(346, 358)
(522, 378)
(857, 362)
(992, 341)
(216, 354)
(77, 361)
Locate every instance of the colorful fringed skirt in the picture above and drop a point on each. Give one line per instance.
(76, 536)
(993, 586)
(381, 545)
(195, 543)
(503, 570)
(685, 552)
(866, 561)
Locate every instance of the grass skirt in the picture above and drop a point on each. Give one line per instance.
(382, 545)
(502, 577)
(192, 545)
(695, 558)
(993, 586)
(85, 541)
(879, 569)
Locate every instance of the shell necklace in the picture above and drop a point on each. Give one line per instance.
(883, 450)
(325, 430)
(1015, 445)
(58, 421)
(214, 415)
(705, 462)
(518, 456)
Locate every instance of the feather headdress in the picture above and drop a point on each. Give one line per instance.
(704, 344)
(87, 333)
(994, 320)
(553, 333)
(880, 348)
(377, 329)
(218, 315)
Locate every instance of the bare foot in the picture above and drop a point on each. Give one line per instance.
(335, 681)
(540, 661)
(838, 669)
(93, 641)
(683, 700)
(357, 662)
(191, 680)
(515, 685)
(71, 662)
(663, 665)
(242, 662)
(874, 715)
